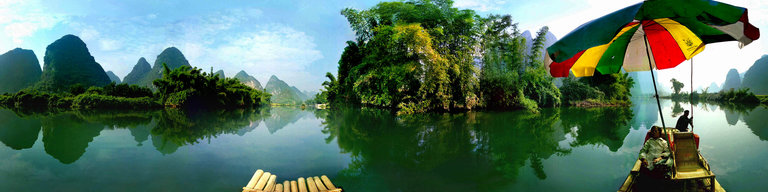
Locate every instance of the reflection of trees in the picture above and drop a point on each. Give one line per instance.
(646, 114)
(66, 137)
(608, 125)
(441, 151)
(16, 132)
(677, 109)
(115, 118)
(757, 121)
(512, 138)
(281, 116)
(180, 127)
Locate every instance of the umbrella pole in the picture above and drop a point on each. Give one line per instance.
(650, 65)
(691, 95)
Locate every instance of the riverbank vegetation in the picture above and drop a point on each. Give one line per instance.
(738, 96)
(418, 56)
(184, 87)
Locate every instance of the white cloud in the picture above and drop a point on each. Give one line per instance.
(273, 49)
(479, 5)
(21, 19)
(109, 44)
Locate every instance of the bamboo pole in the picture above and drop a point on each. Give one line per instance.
(263, 181)
(328, 182)
(650, 65)
(691, 95)
(254, 179)
(302, 185)
(658, 103)
(271, 183)
(286, 186)
(319, 184)
(294, 186)
(311, 184)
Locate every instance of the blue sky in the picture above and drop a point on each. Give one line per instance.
(296, 40)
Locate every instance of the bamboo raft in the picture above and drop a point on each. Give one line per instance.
(692, 172)
(266, 182)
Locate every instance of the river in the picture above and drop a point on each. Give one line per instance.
(558, 149)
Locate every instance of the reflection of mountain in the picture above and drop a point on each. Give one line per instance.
(732, 116)
(164, 145)
(757, 121)
(66, 137)
(141, 132)
(281, 116)
(645, 115)
(16, 132)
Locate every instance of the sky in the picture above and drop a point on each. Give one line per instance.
(298, 41)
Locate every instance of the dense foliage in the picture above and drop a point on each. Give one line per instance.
(676, 85)
(417, 56)
(186, 87)
(510, 77)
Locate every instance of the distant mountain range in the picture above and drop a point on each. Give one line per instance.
(171, 57)
(283, 93)
(68, 62)
(248, 80)
(139, 71)
(113, 77)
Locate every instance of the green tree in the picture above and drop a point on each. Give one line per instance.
(186, 87)
(676, 85)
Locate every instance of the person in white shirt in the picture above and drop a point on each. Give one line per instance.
(656, 150)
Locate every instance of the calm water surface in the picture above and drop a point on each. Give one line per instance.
(562, 149)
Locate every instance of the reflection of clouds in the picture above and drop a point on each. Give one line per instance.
(17, 166)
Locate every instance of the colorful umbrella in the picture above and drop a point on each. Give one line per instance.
(657, 34)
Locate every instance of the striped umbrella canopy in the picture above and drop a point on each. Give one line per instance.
(658, 34)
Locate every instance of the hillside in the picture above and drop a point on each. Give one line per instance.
(68, 62)
(283, 93)
(172, 57)
(20, 69)
(139, 71)
(732, 80)
(220, 73)
(755, 78)
(113, 77)
(248, 80)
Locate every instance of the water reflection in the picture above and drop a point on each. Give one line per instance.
(607, 126)
(18, 133)
(66, 135)
(439, 152)
(279, 117)
(757, 121)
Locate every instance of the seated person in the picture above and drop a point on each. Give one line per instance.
(657, 151)
(683, 122)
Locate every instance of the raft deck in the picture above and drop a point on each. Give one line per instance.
(670, 185)
(267, 182)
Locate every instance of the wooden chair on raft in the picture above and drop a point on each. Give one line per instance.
(689, 164)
